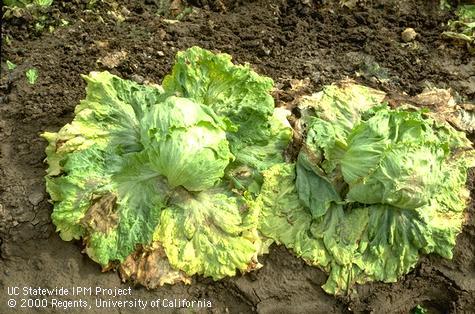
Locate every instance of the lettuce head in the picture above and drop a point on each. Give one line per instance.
(158, 181)
(373, 188)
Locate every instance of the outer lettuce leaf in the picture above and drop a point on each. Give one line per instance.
(149, 266)
(464, 118)
(342, 104)
(140, 194)
(284, 218)
(114, 207)
(245, 171)
(111, 111)
(212, 233)
(315, 190)
(360, 244)
(261, 157)
(113, 211)
(72, 195)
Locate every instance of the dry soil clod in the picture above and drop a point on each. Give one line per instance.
(408, 35)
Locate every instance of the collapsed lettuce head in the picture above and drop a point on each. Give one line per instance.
(373, 188)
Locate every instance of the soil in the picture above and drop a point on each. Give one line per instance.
(317, 42)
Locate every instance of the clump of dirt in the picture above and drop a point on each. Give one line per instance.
(292, 41)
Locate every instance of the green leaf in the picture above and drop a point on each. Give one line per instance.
(7, 39)
(360, 244)
(341, 105)
(187, 143)
(315, 191)
(466, 12)
(283, 217)
(43, 3)
(211, 233)
(232, 91)
(72, 195)
(463, 29)
(395, 158)
(109, 115)
(419, 310)
(31, 75)
(10, 65)
(260, 156)
(140, 195)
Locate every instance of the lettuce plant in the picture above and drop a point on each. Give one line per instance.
(159, 181)
(373, 188)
